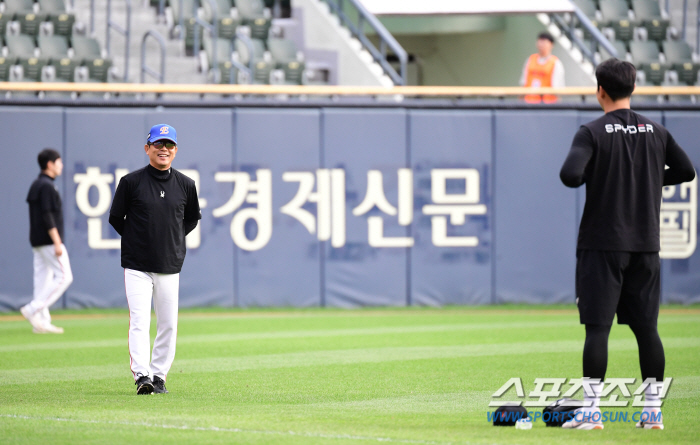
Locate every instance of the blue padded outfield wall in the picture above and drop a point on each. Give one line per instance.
(340, 207)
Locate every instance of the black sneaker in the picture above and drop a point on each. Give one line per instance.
(144, 385)
(159, 385)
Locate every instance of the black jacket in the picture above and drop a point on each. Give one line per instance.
(45, 211)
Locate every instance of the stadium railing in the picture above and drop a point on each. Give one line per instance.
(332, 90)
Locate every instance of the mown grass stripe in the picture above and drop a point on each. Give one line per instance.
(215, 429)
(326, 358)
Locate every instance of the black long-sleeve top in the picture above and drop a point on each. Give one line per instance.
(622, 159)
(153, 211)
(45, 211)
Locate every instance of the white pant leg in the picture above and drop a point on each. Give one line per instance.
(52, 276)
(165, 300)
(139, 291)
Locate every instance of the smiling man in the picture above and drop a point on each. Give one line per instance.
(154, 208)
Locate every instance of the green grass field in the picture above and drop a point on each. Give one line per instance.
(413, 376)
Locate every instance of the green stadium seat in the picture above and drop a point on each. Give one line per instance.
(227, 23)
(645, 55)
(55, 48)
(87, 51)
(262, 63)
(188, 23)
(21, 50)
(288, 59)
(649, 16)
(23, 12)
(58, 15)
(4, 18)
(616, 15)
(619, 46)
(224, 50)
(5, 65)
(255, 15)
(680, 58)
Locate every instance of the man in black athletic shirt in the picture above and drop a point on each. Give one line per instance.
(622, 159)
(154, 208)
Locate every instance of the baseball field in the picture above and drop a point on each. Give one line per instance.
(326, 376)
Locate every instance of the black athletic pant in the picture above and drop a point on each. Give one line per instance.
(652, 360)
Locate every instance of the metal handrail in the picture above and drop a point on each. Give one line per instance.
(249, 44)
(385, 38)
(697, 29)
(126, 32)
(148, 70)
(685, 18)
(92, 18)
(213, 29)
(598, 36)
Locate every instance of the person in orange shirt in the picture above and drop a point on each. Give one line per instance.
(542, 69)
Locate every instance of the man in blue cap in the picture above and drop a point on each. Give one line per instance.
(154, 208)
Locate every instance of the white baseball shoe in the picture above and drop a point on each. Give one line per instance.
(32, 318)
(652, 419)
(51, 329)
(585, 420)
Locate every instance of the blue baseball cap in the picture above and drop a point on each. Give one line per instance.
(161, 131)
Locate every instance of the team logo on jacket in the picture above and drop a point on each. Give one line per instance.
(162, 194)
(631, 129)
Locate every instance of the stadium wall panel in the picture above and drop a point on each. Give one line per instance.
(381, 176)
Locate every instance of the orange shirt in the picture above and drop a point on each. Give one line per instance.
(540, 75)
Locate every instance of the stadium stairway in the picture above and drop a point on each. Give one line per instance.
(317, 33)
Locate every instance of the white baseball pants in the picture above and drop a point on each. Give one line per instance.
(164, 289)
(52, 276)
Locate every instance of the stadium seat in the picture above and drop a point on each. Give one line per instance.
(645, 55)
(87, 51)
(255, 15)
(4, 68)
(188, 22)
(55, 48)
(260, 60)
(224, 50)
(616, 15)
(227, 21)
(680, 58)
(648, 14)
(21, 50)
(4, 18)
(59, 17)
(619, 46)
(22, 11)
(288, 59)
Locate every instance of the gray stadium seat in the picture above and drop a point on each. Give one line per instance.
(679, 57)
(58, 15)
(287, 58)
(645, 55)
(615, 14)
(649, 16)
(254, 14)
